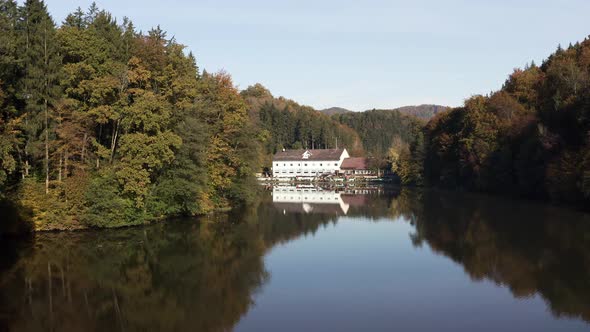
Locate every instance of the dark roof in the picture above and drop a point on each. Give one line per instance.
(355, 163)
(321, 154)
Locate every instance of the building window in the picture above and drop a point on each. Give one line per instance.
(284, 164)
(321, 164)
(304, 164)
(291, 164)
(336, 164)
(277, 164)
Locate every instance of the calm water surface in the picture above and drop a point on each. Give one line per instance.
(308, 259)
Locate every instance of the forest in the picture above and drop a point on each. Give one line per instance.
(284, 124)
(529, 139)
(102, 125)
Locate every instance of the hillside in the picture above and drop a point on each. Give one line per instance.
(286, 124)
(334, 110)
(379, 129)
(425, 111)
(422, 111)
(530, 138)
(102, 125)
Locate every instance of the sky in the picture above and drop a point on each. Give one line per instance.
(360, 54)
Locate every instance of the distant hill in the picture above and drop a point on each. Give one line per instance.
(289, 125)
(424, 112)
(378, 129)
(334, 110)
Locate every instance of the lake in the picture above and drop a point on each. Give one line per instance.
(313, 259)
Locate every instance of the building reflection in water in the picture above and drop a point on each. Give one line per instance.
(308, 200)
(317, 200)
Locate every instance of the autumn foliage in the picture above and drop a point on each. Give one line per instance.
(104, 126)
(531, 138)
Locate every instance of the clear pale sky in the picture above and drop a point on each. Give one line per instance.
(361, 54)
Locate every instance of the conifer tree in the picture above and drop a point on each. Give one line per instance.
(42, 66)
(9, 75)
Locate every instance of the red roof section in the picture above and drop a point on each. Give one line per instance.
(355, 163)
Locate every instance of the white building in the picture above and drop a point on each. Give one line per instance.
(308, 163)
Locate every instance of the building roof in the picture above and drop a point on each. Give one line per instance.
(355, 163)
(320, 154)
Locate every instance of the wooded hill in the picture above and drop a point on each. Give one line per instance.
(424, 112)
(284, 123)
(334, 110)
(530, 138)
(105, 126)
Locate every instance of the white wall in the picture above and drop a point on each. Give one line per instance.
(307, 168)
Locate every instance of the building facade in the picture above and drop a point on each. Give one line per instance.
(357, 167)
(308, 163)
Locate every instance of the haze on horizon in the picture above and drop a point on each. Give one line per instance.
(374, 54)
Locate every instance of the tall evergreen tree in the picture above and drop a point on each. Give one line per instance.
(42, 67)
(9, 75)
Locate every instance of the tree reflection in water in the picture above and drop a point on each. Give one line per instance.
(181, 276)
(185, 275)
(203, 275)
(529, 248)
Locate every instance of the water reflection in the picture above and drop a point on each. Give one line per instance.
(205, 275)
(317, 200)
(184, 276)
(308, 199)
(529, 248)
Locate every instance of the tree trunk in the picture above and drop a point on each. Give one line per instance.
(114, 140)
(26, 173)
(60, 167)
(84, 147)
(66, 164)
(46, 148)
(27, 166)
(45, 54)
